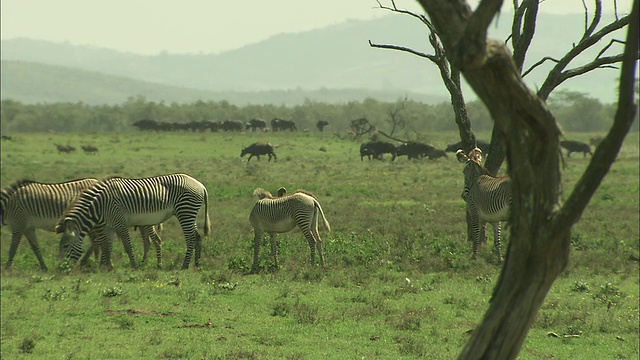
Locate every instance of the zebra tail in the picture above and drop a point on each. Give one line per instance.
(324, 219)
(207, 220)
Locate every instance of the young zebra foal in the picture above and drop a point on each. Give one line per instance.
(282, 214)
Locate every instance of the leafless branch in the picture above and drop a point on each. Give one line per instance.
(394, 8)
(540, 62)
(402, 48)
(558, 74)
(604, 49)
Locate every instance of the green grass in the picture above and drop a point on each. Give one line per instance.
(399, 282)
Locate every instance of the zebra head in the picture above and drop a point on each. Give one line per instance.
(472, 170)
(77, 221)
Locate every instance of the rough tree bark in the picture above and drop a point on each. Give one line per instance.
(540, 225)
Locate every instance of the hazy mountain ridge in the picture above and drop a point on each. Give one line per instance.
(335, 57)
(40, 83)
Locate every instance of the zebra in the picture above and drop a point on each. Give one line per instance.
(27, 205)
(281, 214)
(488, 198)
(118, 203)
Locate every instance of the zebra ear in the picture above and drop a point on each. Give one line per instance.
(462, 157)
(476, 154)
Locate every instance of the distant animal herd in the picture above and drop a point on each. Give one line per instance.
(25, 201)
(277, 124)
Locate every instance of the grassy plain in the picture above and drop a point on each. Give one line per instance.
(399, 282)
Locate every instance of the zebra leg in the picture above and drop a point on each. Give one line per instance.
(33, 241)
(157, 242)
(274, 250)
(105, 242)
(145, 242)
(319, 246)
(123, 234)
(198, 250)
(94, 247)
(476, 229)
(15, 240)
(496, 240)
(312, 245)
(84, 259)
(193, 243)
(257, 240)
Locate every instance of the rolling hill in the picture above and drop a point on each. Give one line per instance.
(332, 64)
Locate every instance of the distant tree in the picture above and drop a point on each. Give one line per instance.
(576, 111)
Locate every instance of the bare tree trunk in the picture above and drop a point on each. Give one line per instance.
(539, 246)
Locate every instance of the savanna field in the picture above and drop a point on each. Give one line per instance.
(399, 282)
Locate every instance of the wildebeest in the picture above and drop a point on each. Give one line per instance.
(6, 137)
(257, 149)
(434, 153)
(231, 125)
(413, 150)
(282, 125)
(65, 148)
(321, 124)
(254, 124)
(89, 149)
(595, 141)
(375, 149)
(146, 124)
(576, 146)
(483, 145)
(364, 151)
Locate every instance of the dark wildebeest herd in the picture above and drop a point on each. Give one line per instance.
(411, 149)
(214, 126)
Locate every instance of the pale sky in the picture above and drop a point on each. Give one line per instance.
(149, 27)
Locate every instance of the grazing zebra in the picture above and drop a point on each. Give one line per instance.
(119, 203)
(282, 214)
(28, 205)
(488, 198)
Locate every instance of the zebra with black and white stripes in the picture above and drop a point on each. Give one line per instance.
(27, 205)
(119, 203)
(488, 198)
(282, 214)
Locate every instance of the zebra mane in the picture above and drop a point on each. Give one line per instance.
(261, 193)
(20, 183)
(11, 189)
(110, 177)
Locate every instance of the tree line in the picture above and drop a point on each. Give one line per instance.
(575, 111)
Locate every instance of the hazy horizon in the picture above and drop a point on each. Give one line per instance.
(146, 27)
